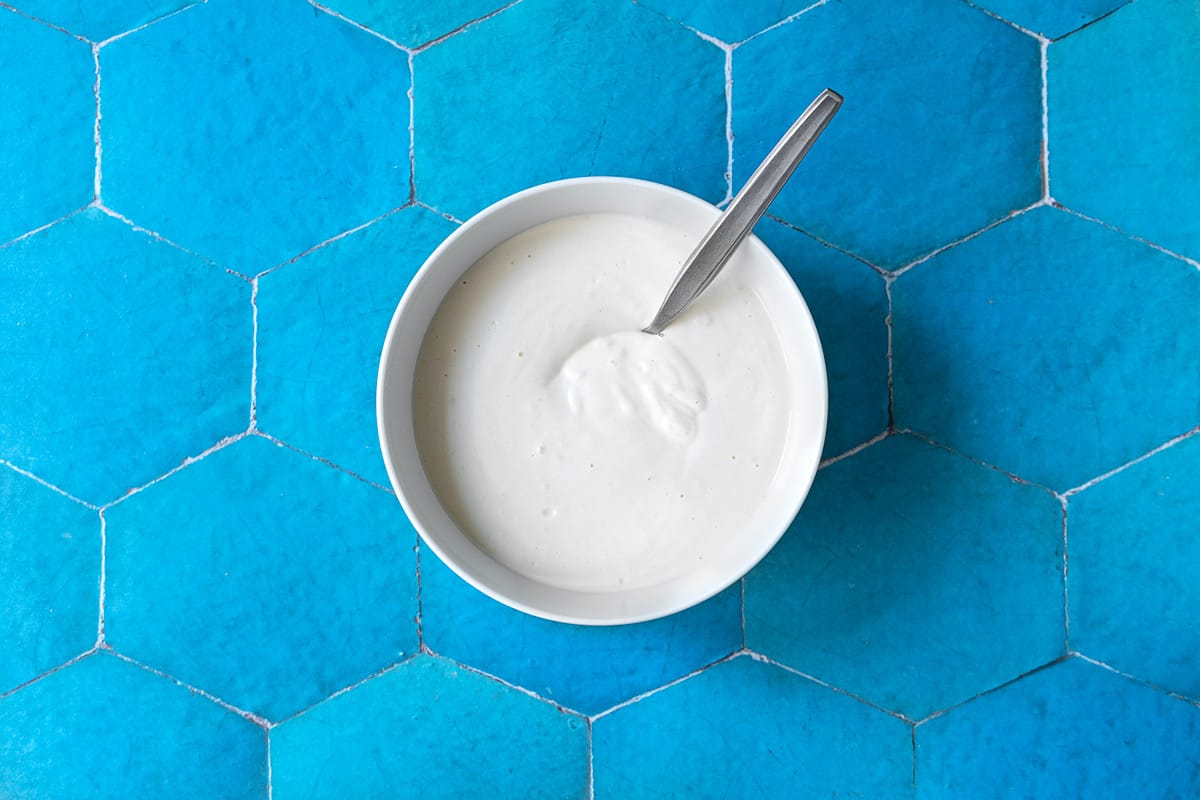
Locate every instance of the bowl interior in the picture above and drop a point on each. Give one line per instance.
(764, 525)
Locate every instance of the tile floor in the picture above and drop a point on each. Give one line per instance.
(208, 212)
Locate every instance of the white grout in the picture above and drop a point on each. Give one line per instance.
(359, 25)
(768, 660)
(261, 722)
(649, 693)
(47, 484)
(938, 251)
(100, 636)
(253, 355)
(783, 21)
(321, 459)
(858, 448)
(1117, 470)
(1044, 46)
(96, 128)
(228, 440)
(143, 27)
(48, 673)
(1124, 232)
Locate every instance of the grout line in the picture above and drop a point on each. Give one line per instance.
(1044, 45)
(49, 672)
(143, 27)
(1090, 23)
(420, 620)
(96, 128)
(1012, 476)
(993, 690)
(47, 484)
(858, 448)
(528, 692)
(330, 240)
(158, 237)
(440, 213)
(423, 47)
(782, 22)
(1007, 22)
(270, 772)
(44, 22)
(742, 581)
(254, 355)
(1123, 232)
(913, 734)
(359, 25)
(100, 635)
(1065, 572)
(768, 660)
(250, 716)
(649, 693)
(828, 244)
(348, 688)
(412, 137)
(41, 228)
(591, 764)
(1167, 444)
(891, 359)
(228, 440)
(937, 252)
(728, 121)
(1190, 700)
(280, 443)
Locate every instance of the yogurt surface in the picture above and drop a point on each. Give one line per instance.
(572, 447)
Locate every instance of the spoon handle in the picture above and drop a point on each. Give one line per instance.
(745, 210)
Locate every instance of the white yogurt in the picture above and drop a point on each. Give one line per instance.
(577, 450)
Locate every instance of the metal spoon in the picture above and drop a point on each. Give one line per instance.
(745, 210)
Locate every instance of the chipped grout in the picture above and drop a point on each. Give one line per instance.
(158, 237)
(1044, 46)
(47, 484)
(830, 245)
(420, 619)
(1116, 470)
(96, 128)
(1007, 22)
(44, 22)
(249, 716)
(100, 634)
(994, 223)
(728, 122)
(253, 355)
(325, 243)
(406, 657)
(187, 462)
(649, 693)
(412, 136)
(1056, 204)
(338, 15)
(782, 22)
(768, 660)
(471, 24)
(858, 448)
(73, 660)
(998, 687)
(280, 443)
(1149, 684)
(142, 27)
(527, 692)
(443, 214)
(1012, 476)
(40, 228)
(1063, 501)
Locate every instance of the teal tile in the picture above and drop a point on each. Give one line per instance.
(120, 356)
(411, 23)
(1124, 117)
(749, 729)
(49, 578)
(940, 133)
(1134, 580)
(550, 90)
(251, 132)
(1073, 730)
(103, 728)
(848, 301)
(728, 22)
(47, 119)
(914, 578)
(1049, 346)
(321, 324)
(433, 730)
(585, 668)
(1052, 20)
(99, 21)
(261, 576)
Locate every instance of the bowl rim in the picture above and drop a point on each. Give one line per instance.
(803, 475)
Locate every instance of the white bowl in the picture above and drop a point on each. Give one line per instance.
(804, 437)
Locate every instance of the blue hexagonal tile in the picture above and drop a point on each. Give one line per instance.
(915, 592)
(413, 24)
(749, 729)
(47, 88)
(1134, 575)
(321, 322)
(120, 356)
(249, 133)
(99, 21)
(728, 22)
(433, 730)
(535, 94)
(49, 578)
(941, 132)
(848, 301)
(585, 668)
(1049, 346)
(1052, 20)
(1073, 730)
(1122, 140)
(262, 576)
(104, 728)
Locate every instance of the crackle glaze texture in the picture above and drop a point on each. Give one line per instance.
(209, 210)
